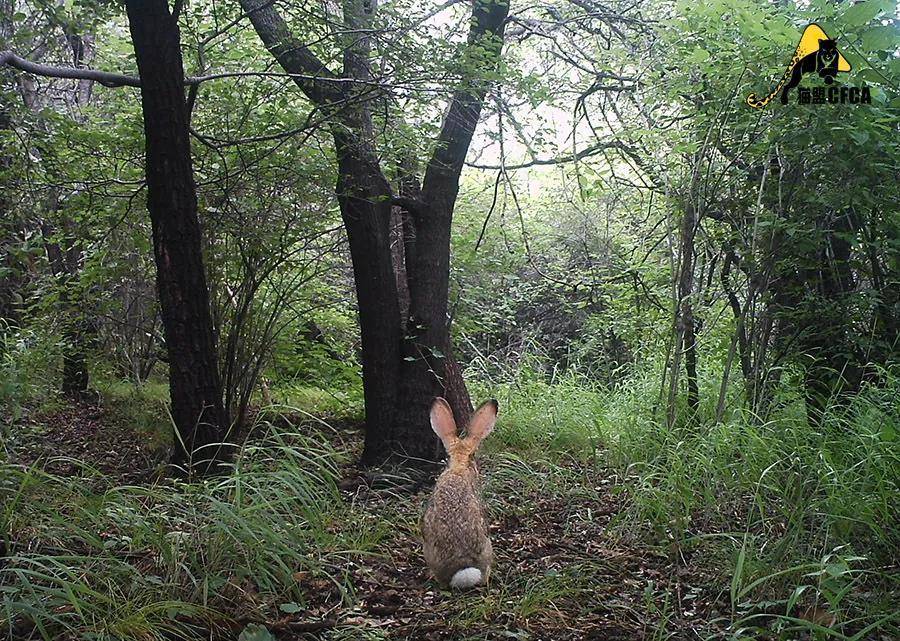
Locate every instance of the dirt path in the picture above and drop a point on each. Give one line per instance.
(65, 438)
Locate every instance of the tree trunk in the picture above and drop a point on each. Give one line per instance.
(399, 227)
(685, 298)
(194, 382)
(426, 343)
(399, 382)
(685, 339)
(455, 390)
(423, 369)
(363, 195)
(689, 344)
(403, 245)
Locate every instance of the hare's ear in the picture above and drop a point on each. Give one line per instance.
(442, 422)
(482, 422)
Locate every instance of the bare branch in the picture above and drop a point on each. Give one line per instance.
(105, 78)
(112, 79)
(587, 152)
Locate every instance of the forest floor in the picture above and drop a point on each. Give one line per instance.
(569, 562)
(561, 570)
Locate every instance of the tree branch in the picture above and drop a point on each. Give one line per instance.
(310, 73)
(485, 43)
(112, 79)
(105, 78)
(587, 152)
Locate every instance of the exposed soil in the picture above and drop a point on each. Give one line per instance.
(83, 433)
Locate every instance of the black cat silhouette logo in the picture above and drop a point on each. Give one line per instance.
(816, 54)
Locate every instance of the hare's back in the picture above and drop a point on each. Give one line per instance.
(454, 529)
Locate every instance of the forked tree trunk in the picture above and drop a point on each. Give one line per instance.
(426, 346)
(404, 359)
(194, 381)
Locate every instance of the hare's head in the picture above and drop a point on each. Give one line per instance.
(462, 449)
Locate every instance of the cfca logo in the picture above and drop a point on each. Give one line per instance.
(817, 54)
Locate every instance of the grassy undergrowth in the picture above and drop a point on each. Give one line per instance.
(135, 562)
(801, 521)
(797, 523)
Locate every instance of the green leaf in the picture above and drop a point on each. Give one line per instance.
(837, 569)
(255, 632)
(870, 75)
(860, 137)
(290, 608)
(861, 13)
(881, 37)
(699, 55)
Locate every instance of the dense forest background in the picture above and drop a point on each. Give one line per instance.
(245, 243)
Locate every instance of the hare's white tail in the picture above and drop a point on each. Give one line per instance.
(466, 578)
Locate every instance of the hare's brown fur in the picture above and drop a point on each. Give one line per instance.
(454, 528)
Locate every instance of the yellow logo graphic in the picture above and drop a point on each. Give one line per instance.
(816, 53)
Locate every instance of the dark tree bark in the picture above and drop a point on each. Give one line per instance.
(364, 198)
(399, 226)
(399, 381)
(194, 381)
(427, 343)
(9, 285)
(685, 336)
(685, 296)
(455, 390)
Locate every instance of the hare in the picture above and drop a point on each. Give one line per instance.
(454, 530)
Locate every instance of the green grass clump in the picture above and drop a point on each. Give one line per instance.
(173, 558)
(537, 415)
(317, 401)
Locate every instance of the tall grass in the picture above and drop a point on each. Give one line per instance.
(795, 517)
(173, 559)
(839, 480)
